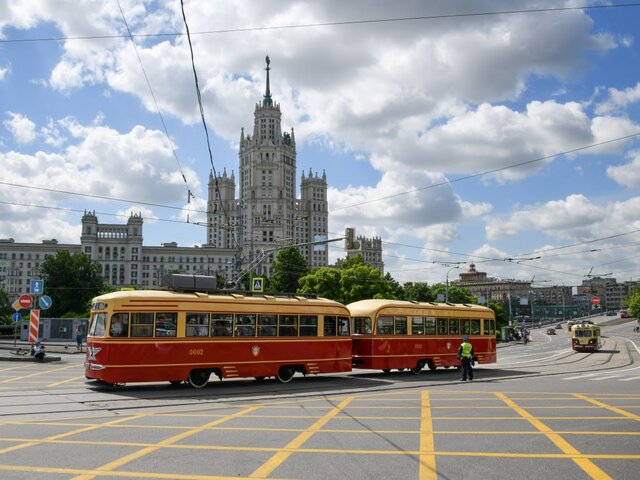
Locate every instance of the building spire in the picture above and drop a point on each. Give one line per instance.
(267, 102)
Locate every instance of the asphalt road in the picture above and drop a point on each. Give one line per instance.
(541, 411)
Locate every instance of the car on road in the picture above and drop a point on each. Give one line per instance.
(551, 331)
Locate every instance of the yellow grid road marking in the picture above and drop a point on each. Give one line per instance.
(617, 410)
(42, 372)
(587, 465)
(169, 441)
(275, 461)
(427, 470)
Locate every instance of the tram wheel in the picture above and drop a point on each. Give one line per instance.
(386, 370)
(285, 374)
(432, 366)
(416, 370)
(199, 378)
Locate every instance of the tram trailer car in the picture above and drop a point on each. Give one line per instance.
(585, 337)
(395, 334)
(164, 335)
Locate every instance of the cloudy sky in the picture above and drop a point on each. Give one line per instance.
(500, 133)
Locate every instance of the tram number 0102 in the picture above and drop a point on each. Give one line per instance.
(196, 351)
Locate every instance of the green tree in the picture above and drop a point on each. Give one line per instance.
(5, 308)
(457, 294)
(502, 316)
(634, 302)
(324, 282)
(71, 281)
(417, 292)
(353, 280)
(288, 267)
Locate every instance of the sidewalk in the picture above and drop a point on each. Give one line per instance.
(19, 351)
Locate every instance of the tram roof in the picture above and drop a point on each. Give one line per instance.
(362, 307)
(222, 295)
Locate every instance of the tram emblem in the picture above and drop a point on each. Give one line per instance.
(92, 352)
(448, 345)
(255, 350)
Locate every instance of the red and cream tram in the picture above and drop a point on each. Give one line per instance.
(395, 334)
(155, 336)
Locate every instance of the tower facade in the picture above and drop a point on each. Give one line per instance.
(268, 215)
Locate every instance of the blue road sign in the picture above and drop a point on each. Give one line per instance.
(257, 284)
(16, 317)
(45, 302)
(37, 287)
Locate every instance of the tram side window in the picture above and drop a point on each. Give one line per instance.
(308, 326)
(330, 326)
(399, 325)
(141, 324)
(454, 326)
(361, 325)
(119, 325)
(288, 326)
(429, 326)
(267, 325)
(475, 327)
(465, 327)
(221, 324)
(417, 326)
(489, 327)
(442, 326)
(197, 325)
(166, 324)
(245, 325)
(384, 326)
(98, 325)
(344, 326)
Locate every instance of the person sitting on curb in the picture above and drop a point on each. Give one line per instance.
(38, 351)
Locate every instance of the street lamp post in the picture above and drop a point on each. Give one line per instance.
(446, 289)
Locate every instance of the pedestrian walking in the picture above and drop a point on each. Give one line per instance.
(79, 338)
(465, 355)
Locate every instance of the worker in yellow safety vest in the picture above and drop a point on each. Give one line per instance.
(465, 355)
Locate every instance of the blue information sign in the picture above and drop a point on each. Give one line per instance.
(45, 302)
(37, 287)
(16, 317)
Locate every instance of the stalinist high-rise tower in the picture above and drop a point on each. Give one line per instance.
(267, 213)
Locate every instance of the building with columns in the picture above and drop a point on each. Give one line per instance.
(242, 231)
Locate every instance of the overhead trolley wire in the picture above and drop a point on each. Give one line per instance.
(204, 123)
(164, 125)
(337, 23)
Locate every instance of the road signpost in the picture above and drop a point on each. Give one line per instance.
(45, 302)
(25, 301)
(37, 287)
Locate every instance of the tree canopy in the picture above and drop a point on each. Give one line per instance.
(287, 268)
(457, 294)
(351, 281)
(634, 302)
(5, 307)
(71, 281)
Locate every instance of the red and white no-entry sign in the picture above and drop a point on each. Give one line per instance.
(595, 300)
(25, 301)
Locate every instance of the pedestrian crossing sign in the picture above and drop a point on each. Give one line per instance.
(258, 284)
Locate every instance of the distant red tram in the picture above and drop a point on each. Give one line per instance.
(395, 334)
(156, 336)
